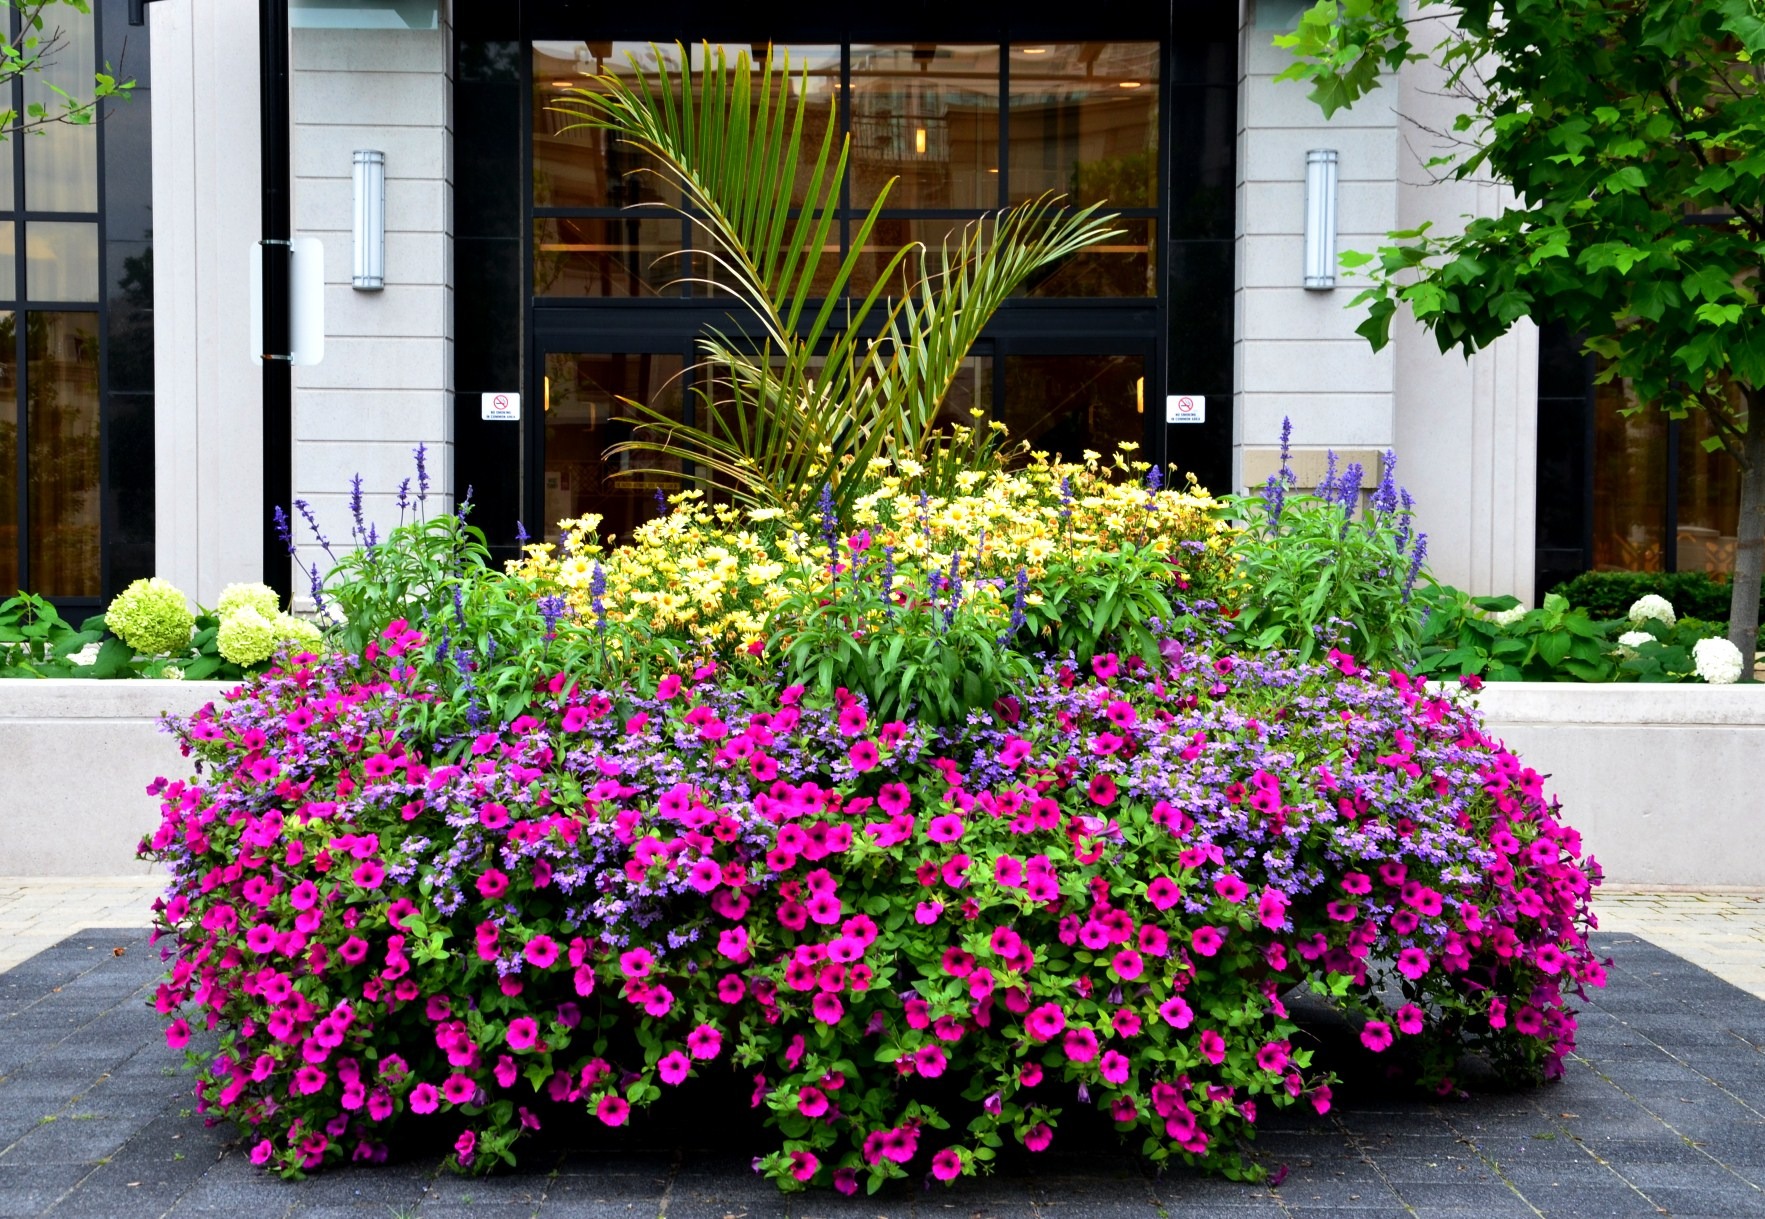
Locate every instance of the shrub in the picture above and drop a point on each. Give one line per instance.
(1098, 891)
(1610, 594)
(1310, 573)
(1498, 639)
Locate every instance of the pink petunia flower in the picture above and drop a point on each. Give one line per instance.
(613, 1110)
(673, 1067)
(1376, 1036)
(541, 950)
(947, 1164)
(704, 1041)
(523, 1033)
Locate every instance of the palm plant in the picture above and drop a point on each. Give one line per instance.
(814, 392)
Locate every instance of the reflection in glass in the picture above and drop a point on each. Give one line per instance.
(8, 258)
(61, 404)
(582, 402)
(1084, 122)
(61, 260)
(61, 161)
(1629, 483)
(622, 256)
(1063, 405)
(8, 454)
(576, 166)
(1123, 265)
(1709, 501)
(927, 114)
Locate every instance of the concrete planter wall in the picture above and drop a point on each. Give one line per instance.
(1663, 781)
(75, 756)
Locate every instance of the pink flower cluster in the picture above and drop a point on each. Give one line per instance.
(618, 892)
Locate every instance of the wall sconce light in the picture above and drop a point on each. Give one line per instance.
(1320, 219)
(919, 140)
(370, 220)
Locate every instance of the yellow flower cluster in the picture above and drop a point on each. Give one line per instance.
(700, 574)
(712, 575)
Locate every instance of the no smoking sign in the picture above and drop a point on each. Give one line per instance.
(1185, 408)
(500, 406)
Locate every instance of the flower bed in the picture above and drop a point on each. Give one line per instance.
(1099, 892)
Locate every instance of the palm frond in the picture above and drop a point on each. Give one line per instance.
(812, 398)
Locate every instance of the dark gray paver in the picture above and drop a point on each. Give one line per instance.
(1662, 1113)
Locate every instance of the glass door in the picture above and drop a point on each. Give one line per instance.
(586, 408)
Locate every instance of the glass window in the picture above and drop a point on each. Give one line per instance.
(61, 161)
(926, 114)
(61, 401)
(1123, 265)
(61, 260)
(612, 256)
(1629, 483)
(8, 255)
(1064, 405)
(583, 409)
(1709, 501)
(1084, 122)
(578, 166)
(8, 454)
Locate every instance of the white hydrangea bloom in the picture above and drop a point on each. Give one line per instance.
(1634, 639)
(1717, 661)
(1652, 606)
(1508, 617)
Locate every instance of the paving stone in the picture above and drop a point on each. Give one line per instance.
(1737, 1200)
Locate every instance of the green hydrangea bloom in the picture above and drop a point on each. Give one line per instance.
(246, 637)
(152, 617)
(299, 634)
(260, 597)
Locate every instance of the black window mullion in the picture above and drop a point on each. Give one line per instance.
(21, 429)
(1003, 194)
(106, 505)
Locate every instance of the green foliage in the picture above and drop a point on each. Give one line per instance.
(36, 642)
(1464, 635)
(832, 380)
(1610, 594)
(1551, 643)
(1616, 122)
(1315, 576)
(34, 53)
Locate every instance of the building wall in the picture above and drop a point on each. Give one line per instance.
(208, 434)
(385, 383)
(1464, 431)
